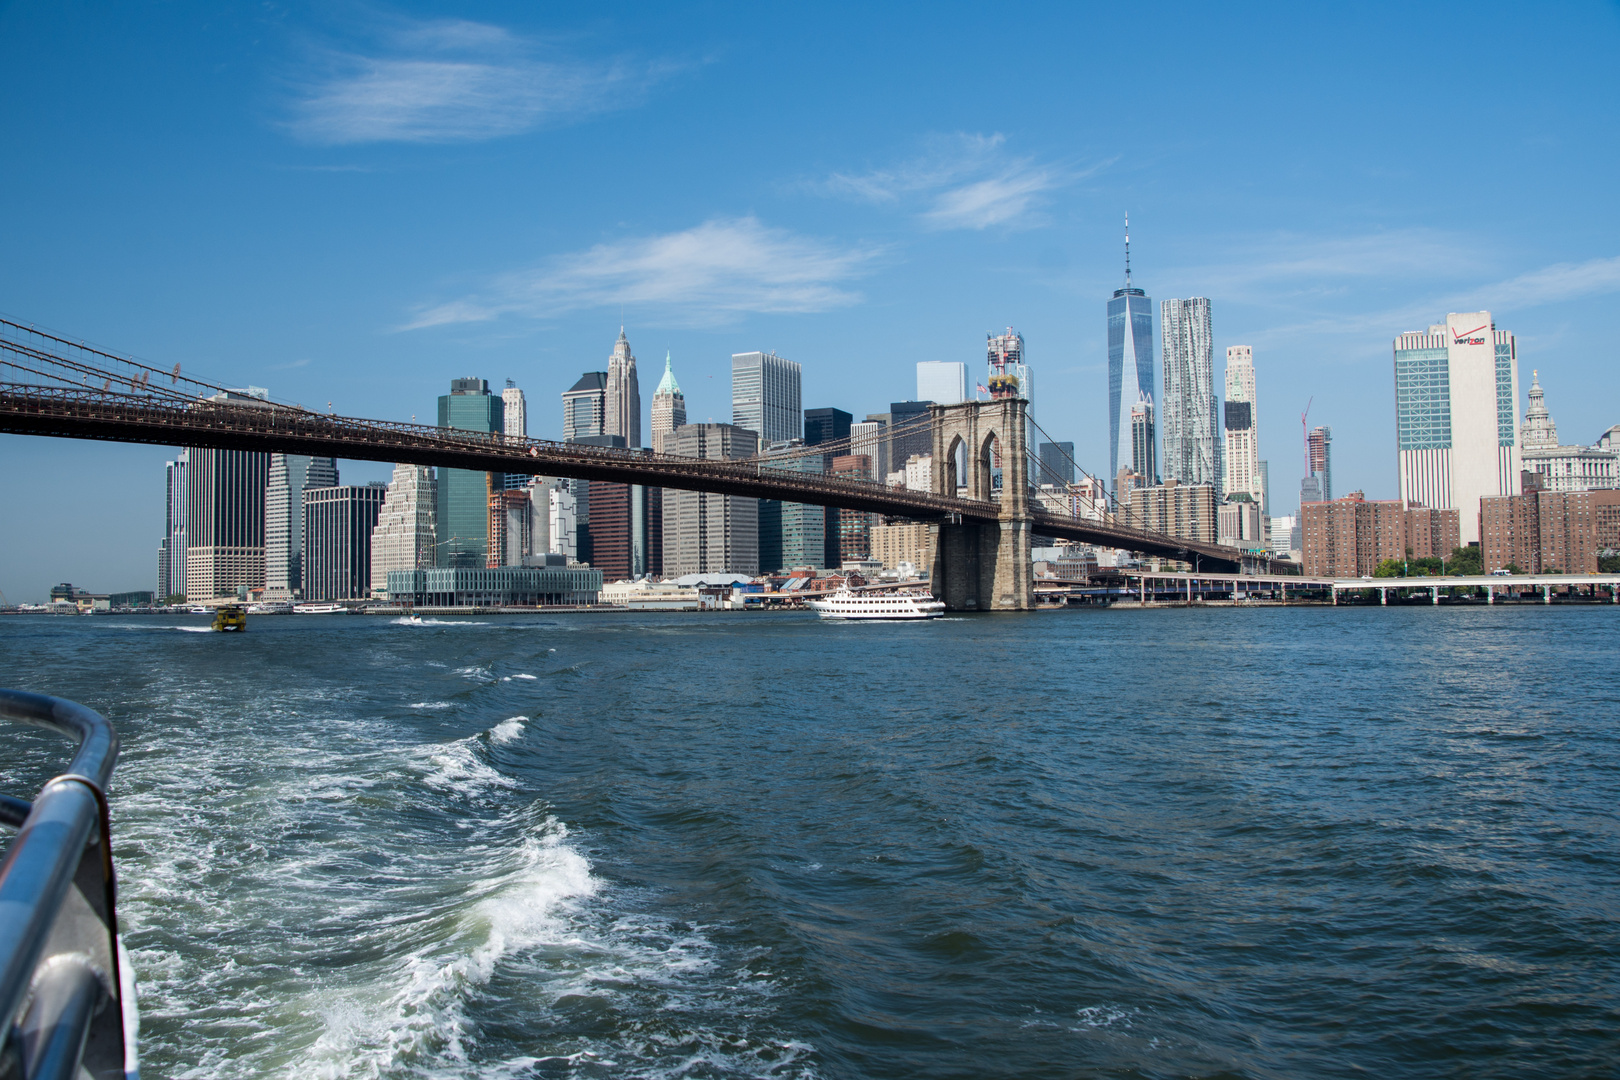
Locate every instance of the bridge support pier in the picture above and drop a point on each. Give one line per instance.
(982, 565)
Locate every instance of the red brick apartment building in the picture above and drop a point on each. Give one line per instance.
(1349, 537)
(1541, 531)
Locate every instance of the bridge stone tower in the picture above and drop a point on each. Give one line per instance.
(983, 566)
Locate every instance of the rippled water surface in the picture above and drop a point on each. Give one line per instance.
(1246, 843)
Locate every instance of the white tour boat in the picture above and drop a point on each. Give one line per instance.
(878, 604)
(318, 609)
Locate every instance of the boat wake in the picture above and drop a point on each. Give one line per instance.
(399, 909)
(152, 626)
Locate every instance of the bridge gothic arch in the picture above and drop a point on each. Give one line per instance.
(989, 452)
(952, 474)
(983, 566)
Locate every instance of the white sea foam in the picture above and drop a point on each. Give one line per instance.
(422, 1017)
(431, 705)
(417, 620)
(151, 626)
(507, 730)
(523, 675)
(389, 895)
(457, 767)
(1103, 1016)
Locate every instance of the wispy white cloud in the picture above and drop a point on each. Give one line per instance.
(1561, 281)
(967, 181)
(1000, 200)
(713, 273)
(1433, 273)
(1268, 267)
(454, 81)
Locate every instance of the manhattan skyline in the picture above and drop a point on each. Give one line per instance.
(325, 227)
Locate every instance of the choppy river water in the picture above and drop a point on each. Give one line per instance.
(1245, 843)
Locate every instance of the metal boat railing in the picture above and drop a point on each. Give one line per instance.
(67, 1000)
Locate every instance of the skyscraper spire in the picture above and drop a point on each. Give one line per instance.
(623, 403)
(668, 407)
(1127, 249)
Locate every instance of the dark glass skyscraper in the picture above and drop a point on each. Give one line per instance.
(823, 427)
(463, 495)
(1057, 463)
(1130, 362)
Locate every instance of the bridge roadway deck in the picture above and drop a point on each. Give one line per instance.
(27, 409)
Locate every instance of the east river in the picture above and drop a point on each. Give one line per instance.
(1297, 842)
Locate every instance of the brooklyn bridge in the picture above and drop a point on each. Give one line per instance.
(57, 387)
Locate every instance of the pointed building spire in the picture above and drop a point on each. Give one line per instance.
(1539, 431)
(668, 385)
(668, 406)
(1127, 249)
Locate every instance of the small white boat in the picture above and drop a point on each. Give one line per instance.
(878, 604)
(319, 609)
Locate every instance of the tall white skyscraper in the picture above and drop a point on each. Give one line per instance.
(1187, 418)
(623, 404)
(1456, 405)
(290, 476)
(944, 382)
(1242, 464)
(765, 397)
(866, 439)
(668, 407)
(406, 532)
(517, 410)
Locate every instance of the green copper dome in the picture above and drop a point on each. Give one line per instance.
(668, 385)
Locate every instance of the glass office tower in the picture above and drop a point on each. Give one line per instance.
(1130, 362)
(1455, 421)
(463, 496)
(765, 396)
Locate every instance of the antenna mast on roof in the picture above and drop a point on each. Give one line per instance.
(1127, 249)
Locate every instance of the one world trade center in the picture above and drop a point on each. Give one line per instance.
(1130, 372)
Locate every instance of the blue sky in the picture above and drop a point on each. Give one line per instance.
(355, 203)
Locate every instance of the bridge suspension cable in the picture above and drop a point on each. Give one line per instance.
(77, 365)
(51, 385)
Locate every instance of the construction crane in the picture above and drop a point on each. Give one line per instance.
(1305, 433)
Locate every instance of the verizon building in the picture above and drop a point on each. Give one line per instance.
(1456, 393)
